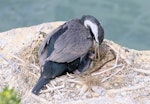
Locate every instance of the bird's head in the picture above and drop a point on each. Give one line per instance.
(95, 28)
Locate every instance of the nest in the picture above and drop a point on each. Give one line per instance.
(106, 73)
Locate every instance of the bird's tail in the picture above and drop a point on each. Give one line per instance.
(41, 82)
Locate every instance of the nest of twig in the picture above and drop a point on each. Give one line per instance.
(70, 86)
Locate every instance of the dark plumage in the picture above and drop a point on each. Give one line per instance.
(66, 48)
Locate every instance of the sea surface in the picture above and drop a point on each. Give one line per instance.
(127, 22)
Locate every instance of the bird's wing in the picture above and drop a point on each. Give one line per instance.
(72, 44)
(43, 50)
(46, 40)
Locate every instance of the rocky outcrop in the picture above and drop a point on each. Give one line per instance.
(125, 79)
(14, 40)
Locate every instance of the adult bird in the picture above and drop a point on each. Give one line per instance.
(67, 47)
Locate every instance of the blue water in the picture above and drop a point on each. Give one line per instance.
(127, 22)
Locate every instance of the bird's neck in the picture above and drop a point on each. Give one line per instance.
(93, 27)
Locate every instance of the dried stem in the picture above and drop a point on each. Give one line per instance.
(127, 88)
(57, 90)
(2, 57)
(115, 65)
(49, 89)
(103, 80)
(142, 71)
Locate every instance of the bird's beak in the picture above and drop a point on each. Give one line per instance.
(41, 82)
(96, 51)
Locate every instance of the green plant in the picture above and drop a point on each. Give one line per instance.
(9, 96)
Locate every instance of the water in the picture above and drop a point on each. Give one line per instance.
(127, 22)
